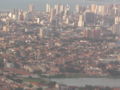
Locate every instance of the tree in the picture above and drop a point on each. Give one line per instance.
(1, 63)
(39, 89)
(19, 89)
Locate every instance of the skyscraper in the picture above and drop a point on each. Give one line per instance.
(48, 8)
(41, 33)
(30, 8)
(94, 8)
(77, 8)
(117, 20)
(90, 18)
(81, 21)
(51, 15)
(101, 10)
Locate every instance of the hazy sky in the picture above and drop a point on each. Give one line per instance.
(10, 4)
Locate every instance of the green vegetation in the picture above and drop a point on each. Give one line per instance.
(39, 89)
(30, 79)
(1, 62)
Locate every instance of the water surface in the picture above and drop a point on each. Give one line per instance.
(106, 82)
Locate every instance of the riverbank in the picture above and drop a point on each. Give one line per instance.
(95, 82)
(80, 76)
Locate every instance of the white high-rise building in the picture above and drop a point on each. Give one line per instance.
(66, 10)
(67, 21)
(41, 33)
(94, 8)
(77, 8)
(30, 8)
(81, 21)
(115, 9)
(51, 15)
(56, 9)
(61, 8)
(101, 10)
(117, 20)
(48, 8)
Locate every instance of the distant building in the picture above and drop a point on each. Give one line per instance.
(5, 28)
(77, 8)
(21, 16)
(30, 8)
(117, 20)
(81, 21)
(41, 35)
(56, 9)
(61, 8)
(48, 8)
(93, 8)
(90, 19)
(101, 10)
(51, 15)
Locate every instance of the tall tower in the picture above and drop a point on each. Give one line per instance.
(48, 8)
(21, 16)
(41, 33)
(101, 10)
(67, 21)
(94, 8)
(117, 20)
(30, 8)
(81, 21)
(51, 15)
(66, 10)
(56, 9)
(61, 8)
(77, 8)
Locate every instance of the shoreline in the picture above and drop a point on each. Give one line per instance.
(81, 76)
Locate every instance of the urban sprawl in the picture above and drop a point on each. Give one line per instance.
(59, 42)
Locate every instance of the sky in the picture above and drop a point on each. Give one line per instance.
(10, 4)
(40, 4)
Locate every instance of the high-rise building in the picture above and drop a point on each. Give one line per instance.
(57, 8)
(16, 14)
(116, 29)
(101, 10)
(90, 18)
(117, 20)
(30, 8)
(48, 8)
(61, 8)
(66, 10)
(21, 16)
(77, 8)
(51, 15)
(115, 9)
(81, 21)
(5, 28)
(108, 9)
(67, 20)
(41, 33)
(93, 8)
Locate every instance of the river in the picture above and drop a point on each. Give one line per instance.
(80, 82)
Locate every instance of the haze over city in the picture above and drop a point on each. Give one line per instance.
(40, 4)
(59, 45)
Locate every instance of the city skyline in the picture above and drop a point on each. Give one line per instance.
(44, 40)
(40, 4)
